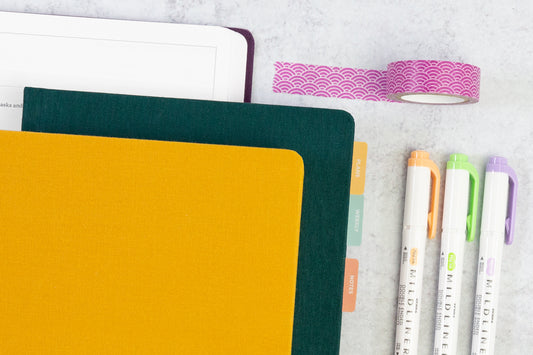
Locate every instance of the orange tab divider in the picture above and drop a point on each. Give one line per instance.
(350, 285)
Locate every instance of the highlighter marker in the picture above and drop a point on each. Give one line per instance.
(417, 217)
(459, 217)
(497, 226)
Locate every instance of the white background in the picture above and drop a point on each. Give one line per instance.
(495, 35)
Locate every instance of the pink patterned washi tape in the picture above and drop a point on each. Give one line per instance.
(416, 81)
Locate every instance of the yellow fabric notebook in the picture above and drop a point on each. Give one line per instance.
(130, 246)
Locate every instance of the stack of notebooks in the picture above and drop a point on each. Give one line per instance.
(166, 225)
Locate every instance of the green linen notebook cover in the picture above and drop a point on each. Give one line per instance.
(323, 137)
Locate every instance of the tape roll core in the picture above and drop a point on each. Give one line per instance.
(430, 99)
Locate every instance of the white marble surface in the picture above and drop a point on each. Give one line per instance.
(495, 35)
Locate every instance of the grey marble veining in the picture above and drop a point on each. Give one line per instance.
(496, 36)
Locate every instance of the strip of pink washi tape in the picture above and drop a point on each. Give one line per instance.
(415, 81)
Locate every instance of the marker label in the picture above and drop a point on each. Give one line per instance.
(490, 267)
(451, 261)
(413, 260)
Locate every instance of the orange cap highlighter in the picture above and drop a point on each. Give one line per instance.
(421, 171)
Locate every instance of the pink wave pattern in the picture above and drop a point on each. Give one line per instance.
(324, 81)
(410, 76)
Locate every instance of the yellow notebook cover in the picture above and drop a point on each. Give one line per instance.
(131, 246)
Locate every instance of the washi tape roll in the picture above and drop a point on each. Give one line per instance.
(414, 81)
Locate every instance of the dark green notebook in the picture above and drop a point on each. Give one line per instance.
(324, 139)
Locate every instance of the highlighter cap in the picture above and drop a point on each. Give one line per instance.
(421, 158)
(457, 161)
(460, 161)
(499, 165)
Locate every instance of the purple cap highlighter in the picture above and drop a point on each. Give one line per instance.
(499, 164)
